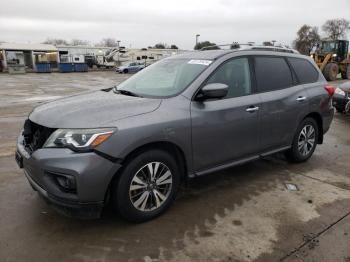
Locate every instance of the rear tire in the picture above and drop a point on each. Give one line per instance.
(331, 71)
(140, 197)
(304, 141)
(346, 74)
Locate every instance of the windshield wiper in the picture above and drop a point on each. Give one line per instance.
(125, 92)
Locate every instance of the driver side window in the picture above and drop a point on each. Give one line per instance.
(236, 74)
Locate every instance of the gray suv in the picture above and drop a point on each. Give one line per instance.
(184, 116)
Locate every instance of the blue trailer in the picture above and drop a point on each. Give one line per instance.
(43, 67)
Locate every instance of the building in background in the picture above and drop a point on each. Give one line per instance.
(31, 57)
(27, 55)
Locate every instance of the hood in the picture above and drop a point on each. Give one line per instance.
(91, 110)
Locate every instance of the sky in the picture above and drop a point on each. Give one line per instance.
(139, 24)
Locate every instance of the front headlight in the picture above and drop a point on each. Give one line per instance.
(79, 139)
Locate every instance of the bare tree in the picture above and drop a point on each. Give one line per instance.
(76, 42)
(336, 28)
(307, 37)
(55, 41)
(109, 42)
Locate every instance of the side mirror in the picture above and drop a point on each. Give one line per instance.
(212, 91)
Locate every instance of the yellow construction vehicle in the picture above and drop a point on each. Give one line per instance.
(333, 57)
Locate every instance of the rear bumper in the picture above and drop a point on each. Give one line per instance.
(90, 172)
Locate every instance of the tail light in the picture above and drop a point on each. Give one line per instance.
(330, 89)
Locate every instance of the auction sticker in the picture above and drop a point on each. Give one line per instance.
(200, 62)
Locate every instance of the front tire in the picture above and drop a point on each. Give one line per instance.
(147, 186)
(331, 71)
(304, 141)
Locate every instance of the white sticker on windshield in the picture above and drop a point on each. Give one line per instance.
(200, 62)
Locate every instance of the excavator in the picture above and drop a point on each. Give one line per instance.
(332, 57)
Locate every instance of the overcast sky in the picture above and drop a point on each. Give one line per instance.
(143, 23)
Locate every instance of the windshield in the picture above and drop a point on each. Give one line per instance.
(329, 47)
(164, 78)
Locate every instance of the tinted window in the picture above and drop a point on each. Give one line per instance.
(236, 75)
(272, 73)
(305, 71)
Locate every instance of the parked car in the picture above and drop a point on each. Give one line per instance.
(130, 68)
(341, 100)
(182, 117)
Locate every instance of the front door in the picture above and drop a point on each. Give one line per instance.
(225, 130)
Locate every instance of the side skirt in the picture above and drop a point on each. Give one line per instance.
(239, 162)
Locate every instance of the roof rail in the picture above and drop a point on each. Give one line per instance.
(251, 46)
(275, 49)
(229, 45)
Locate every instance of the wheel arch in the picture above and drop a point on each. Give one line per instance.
(317, 117)
(167, 146)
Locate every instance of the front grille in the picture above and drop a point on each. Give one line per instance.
(35, 135)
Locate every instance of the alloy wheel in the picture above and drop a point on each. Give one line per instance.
(150, 186)
(306, 140)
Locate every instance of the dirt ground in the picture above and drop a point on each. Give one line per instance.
(245, 213)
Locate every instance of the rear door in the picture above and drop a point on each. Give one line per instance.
(283, 101)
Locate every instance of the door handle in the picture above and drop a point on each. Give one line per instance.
(301, 98)
(252, 109)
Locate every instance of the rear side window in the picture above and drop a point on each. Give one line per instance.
(272, 73)
(305, 71)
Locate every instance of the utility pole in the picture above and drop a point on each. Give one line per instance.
(118, 42)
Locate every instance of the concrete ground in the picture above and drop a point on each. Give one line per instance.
(245, 213)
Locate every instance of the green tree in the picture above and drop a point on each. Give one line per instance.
(208, 46)
(160, 46)
(307, 37)
(235, 45)
(173, 47)
(267, 43)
